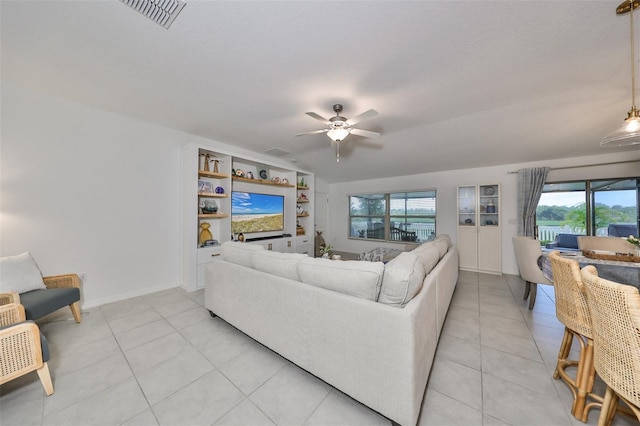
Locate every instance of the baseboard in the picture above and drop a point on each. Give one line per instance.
(124, 296)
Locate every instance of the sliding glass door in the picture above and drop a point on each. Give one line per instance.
(592, 207)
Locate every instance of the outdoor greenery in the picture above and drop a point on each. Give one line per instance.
(575, 216)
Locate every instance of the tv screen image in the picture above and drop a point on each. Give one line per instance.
(251, 212)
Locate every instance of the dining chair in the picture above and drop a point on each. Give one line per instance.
(527, 252)
(615, 321)
(573, 312)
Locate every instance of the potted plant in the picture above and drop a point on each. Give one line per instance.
(326, 251)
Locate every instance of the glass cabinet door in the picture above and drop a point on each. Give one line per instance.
(489, 204)
(467, 205)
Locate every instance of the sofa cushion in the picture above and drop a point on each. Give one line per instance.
(352, 277)
(446, 238)
(38, 303)
(402, 280)
(20, 274)
(442, 245)
(429, 255)
(239, 253)
(281, 264)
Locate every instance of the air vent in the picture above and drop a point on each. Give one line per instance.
(162, 12)
(277, 152)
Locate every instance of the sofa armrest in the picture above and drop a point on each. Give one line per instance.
(62, 281)
(11, 297)
(551, 245)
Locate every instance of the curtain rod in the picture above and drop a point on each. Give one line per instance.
(584, 165)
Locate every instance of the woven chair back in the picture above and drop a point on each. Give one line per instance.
(615, 315)
(571, 302)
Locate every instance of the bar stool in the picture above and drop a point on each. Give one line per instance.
(615, 319)
(573, 312)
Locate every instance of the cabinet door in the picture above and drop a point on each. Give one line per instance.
(467, 246)
(206, 255)
(489, 249)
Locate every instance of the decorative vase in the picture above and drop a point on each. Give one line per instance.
(205, 234)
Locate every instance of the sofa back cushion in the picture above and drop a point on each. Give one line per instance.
(429, 256)
(281, 264)
(239, 253)
(442, 245)
(352, 277)
(402, 280)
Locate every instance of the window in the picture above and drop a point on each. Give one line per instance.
(397, 216)
(594, 207)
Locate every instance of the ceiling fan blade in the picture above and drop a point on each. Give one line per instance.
(313, 132)
(365, 133)
(361, 117)
(318, 117)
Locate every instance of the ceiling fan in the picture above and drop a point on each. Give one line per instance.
(338, 127)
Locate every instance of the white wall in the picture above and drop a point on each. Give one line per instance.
(88, 191)
(446, 184)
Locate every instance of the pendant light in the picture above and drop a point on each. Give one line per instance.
(629, 133)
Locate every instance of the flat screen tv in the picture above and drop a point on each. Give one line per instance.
(251, 212)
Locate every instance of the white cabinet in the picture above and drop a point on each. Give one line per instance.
(205, 257)
(479, 235)
(305, 245)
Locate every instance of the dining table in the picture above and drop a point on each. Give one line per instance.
(618, 271)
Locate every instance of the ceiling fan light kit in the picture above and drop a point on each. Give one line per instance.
(338, 127)
(629, 133)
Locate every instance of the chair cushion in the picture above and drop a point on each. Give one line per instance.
(38, 303)
(20, 274)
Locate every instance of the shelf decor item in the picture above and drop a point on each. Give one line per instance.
(204, 186)
(205, 234)
(219, 190)
(489, 190)
(210, 207)
(491, 208)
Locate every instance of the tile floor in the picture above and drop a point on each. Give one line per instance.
(161, 359)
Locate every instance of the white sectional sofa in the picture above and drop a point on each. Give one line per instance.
(367, 328)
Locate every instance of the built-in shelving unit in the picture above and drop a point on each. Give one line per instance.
(209, 179)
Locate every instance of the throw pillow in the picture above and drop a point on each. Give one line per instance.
(402, 280)
(380, 254)
(20, 274)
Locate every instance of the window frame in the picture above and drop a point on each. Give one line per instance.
(590, 198)
(394, 234)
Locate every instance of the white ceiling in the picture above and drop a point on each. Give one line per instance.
(457, 84)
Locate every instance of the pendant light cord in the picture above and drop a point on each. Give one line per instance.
(633, 61)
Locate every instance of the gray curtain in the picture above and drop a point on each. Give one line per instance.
(530, 185)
